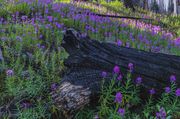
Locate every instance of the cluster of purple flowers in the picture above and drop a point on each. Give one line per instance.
(178, 92)
(116, 70)
(161, 114)
(118, 97)
(54, 86)
(119, 43)
(9, 72)
(40, 2)
(177, 41)
(172, 78)
(99, 23)
(131, 67)
(121, 111)
(104, 74)
(138, 80)
(152, 91)
(167, 90)
(40, 46)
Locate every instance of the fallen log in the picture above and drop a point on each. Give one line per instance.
(116, 16)
(88, 58)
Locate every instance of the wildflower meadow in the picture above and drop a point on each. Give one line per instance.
(32, 59)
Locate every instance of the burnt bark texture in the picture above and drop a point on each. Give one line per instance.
(88, 58)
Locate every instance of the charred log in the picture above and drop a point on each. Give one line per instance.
(88, 58)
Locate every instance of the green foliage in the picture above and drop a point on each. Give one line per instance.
(35, 55)
(87, 113)
(108, 108)
(34, 113)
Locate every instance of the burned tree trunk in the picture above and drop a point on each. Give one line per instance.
(88, 58)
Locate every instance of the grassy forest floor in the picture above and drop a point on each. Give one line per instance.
(31, 62)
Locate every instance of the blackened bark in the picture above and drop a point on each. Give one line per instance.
(88, 58)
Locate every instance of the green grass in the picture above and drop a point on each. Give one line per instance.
(35, 55)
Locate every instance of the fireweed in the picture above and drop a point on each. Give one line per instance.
(31, 38)
(117, 99)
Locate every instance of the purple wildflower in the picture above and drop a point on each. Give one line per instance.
(127, 44)
(119, 77)
(177, 41)
(24, 17)
(43, 47)
(119, 42)
(172, 78)
(46, 11)
(130, 67)
(116, 69)
(58, 25)
(38, 45)
(158, 115)
(3, 38)
(40, 36)
(96, 116)
(121, 111)
(54, 86)
(167, 89)
(161, 114)
(118, 98)
(178, 92)
(18, 38)
(138, 80)
(104, 74)
(50, 18)
(152, 91)
(9, 72)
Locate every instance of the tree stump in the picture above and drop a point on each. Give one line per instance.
(88, 58)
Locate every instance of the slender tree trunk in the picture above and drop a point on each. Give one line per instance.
(175, 7)
(145, 4)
